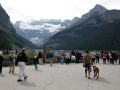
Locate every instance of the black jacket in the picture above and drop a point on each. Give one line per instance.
(1, 59)
(22, 57)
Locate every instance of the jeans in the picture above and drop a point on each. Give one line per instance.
(62, 59)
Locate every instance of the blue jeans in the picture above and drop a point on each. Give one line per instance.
(62, 59)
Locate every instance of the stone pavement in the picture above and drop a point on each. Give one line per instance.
(62, 77)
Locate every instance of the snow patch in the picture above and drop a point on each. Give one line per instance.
(47, 26)
(37, 41)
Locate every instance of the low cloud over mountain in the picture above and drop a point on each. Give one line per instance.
(39, 31)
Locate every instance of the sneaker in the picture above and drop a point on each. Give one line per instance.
(25, 77)
(89, 78)
(12, 71)
(19, 80)
(97, 78)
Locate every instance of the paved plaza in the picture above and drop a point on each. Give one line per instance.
(62, 77)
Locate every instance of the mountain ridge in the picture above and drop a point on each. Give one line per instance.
(87, 35)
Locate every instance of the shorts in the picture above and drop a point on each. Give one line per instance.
(88, 66)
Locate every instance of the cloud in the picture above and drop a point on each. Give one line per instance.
(52, 9)
(37, 41)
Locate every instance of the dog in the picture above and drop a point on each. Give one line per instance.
(96, 71)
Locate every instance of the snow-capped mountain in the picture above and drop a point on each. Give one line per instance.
(38, 31)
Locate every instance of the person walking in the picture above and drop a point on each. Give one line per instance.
(73, 56)
(12, 63)
(40, 57)
(104, 56)
(87, 60)
(119, 57)
(78, 55)
(21, 61)
(62, 56)
(93, 57)
(1, 60)
(50, 56)
(36, 62)
(67, 57)
(114, 57)
(98, 57)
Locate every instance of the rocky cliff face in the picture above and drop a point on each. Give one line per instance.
(97, 10)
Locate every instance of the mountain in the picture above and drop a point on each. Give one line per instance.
(68, 23)
(97, 30)
(8, 37)
(97, 10)
(39, 31)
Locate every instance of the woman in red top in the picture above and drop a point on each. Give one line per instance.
(104, 56)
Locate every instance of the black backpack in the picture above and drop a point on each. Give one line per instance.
(11, 58)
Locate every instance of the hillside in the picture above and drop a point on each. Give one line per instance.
(98, 31)
(39, 31)
(8, 37)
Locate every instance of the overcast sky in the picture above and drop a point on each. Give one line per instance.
(52, 9)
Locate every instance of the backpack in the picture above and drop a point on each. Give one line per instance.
(19, 56)
(11, 58)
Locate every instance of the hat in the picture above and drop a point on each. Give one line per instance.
(23, 49)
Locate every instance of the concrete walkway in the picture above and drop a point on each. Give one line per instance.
(62, 77)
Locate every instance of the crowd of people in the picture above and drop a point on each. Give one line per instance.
(75, 56)
(88, 58)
